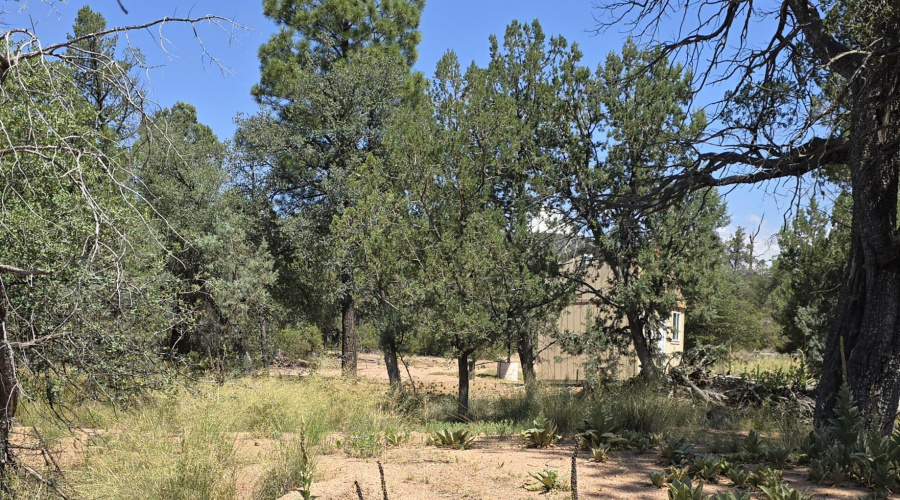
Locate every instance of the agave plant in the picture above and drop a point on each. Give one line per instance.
(676, 474)
(546, 481)
(458, 440)
(778, 456)
(658, 479)
(685, 491)
(599, 453)
(708, 467)
(731, 495)
(542, 435)
(601, 428)
(779, 491)
(751, 448)
(739, 477)
(676, 451)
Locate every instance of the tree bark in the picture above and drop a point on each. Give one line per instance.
(649, 370)
(348, 336)
(867, 322)
(525, 347)
(9, 391)
(389, 346)
(462, 408)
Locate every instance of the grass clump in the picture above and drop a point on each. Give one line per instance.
(293, 470)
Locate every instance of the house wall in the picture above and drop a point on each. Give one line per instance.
(554, 365)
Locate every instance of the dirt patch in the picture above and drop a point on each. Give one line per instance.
(499, 468)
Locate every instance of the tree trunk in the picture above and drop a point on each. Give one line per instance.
(389, 346)
(348, 336)
(525, 347)
(867, 322)
(649, 370)
(8, 386)
(462, 407)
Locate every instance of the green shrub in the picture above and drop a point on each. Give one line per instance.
(367, 338)
(298, 343)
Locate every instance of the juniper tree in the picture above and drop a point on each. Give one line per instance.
(619, 131)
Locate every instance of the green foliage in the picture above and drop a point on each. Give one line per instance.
(393, 437)
(751, 448)
(779, 491)
(677, 474)
(294, 470)
(735, 311)
(778, 456)
(299, 343)
(708, 467)
(547, 480)
(846, 448)
(685, 491)
(676, 451)
(542, 435)
(731, 495)
(457, 440)
(649, 273)
(658, 479)
(739, 477)
(813, 250)
(600, 452)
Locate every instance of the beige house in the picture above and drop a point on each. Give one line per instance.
(554, 365)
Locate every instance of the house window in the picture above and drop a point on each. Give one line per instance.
(676, 327)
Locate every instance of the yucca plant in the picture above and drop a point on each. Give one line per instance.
(547, 480)
(685, 491)
(457, 440)
(542, 435)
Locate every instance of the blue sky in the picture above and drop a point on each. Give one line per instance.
(180, 71)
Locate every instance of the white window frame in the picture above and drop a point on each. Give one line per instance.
(677, 326)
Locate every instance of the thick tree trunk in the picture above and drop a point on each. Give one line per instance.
(525, 347)
(8, 386)
(867, 322)
(389, 346)
(649, 370)
(462, 407)
(348, 336)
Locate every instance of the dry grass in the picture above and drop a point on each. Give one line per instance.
(191, 444)
(750, 363)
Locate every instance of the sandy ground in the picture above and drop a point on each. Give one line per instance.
(499, 468)
(494, 468)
